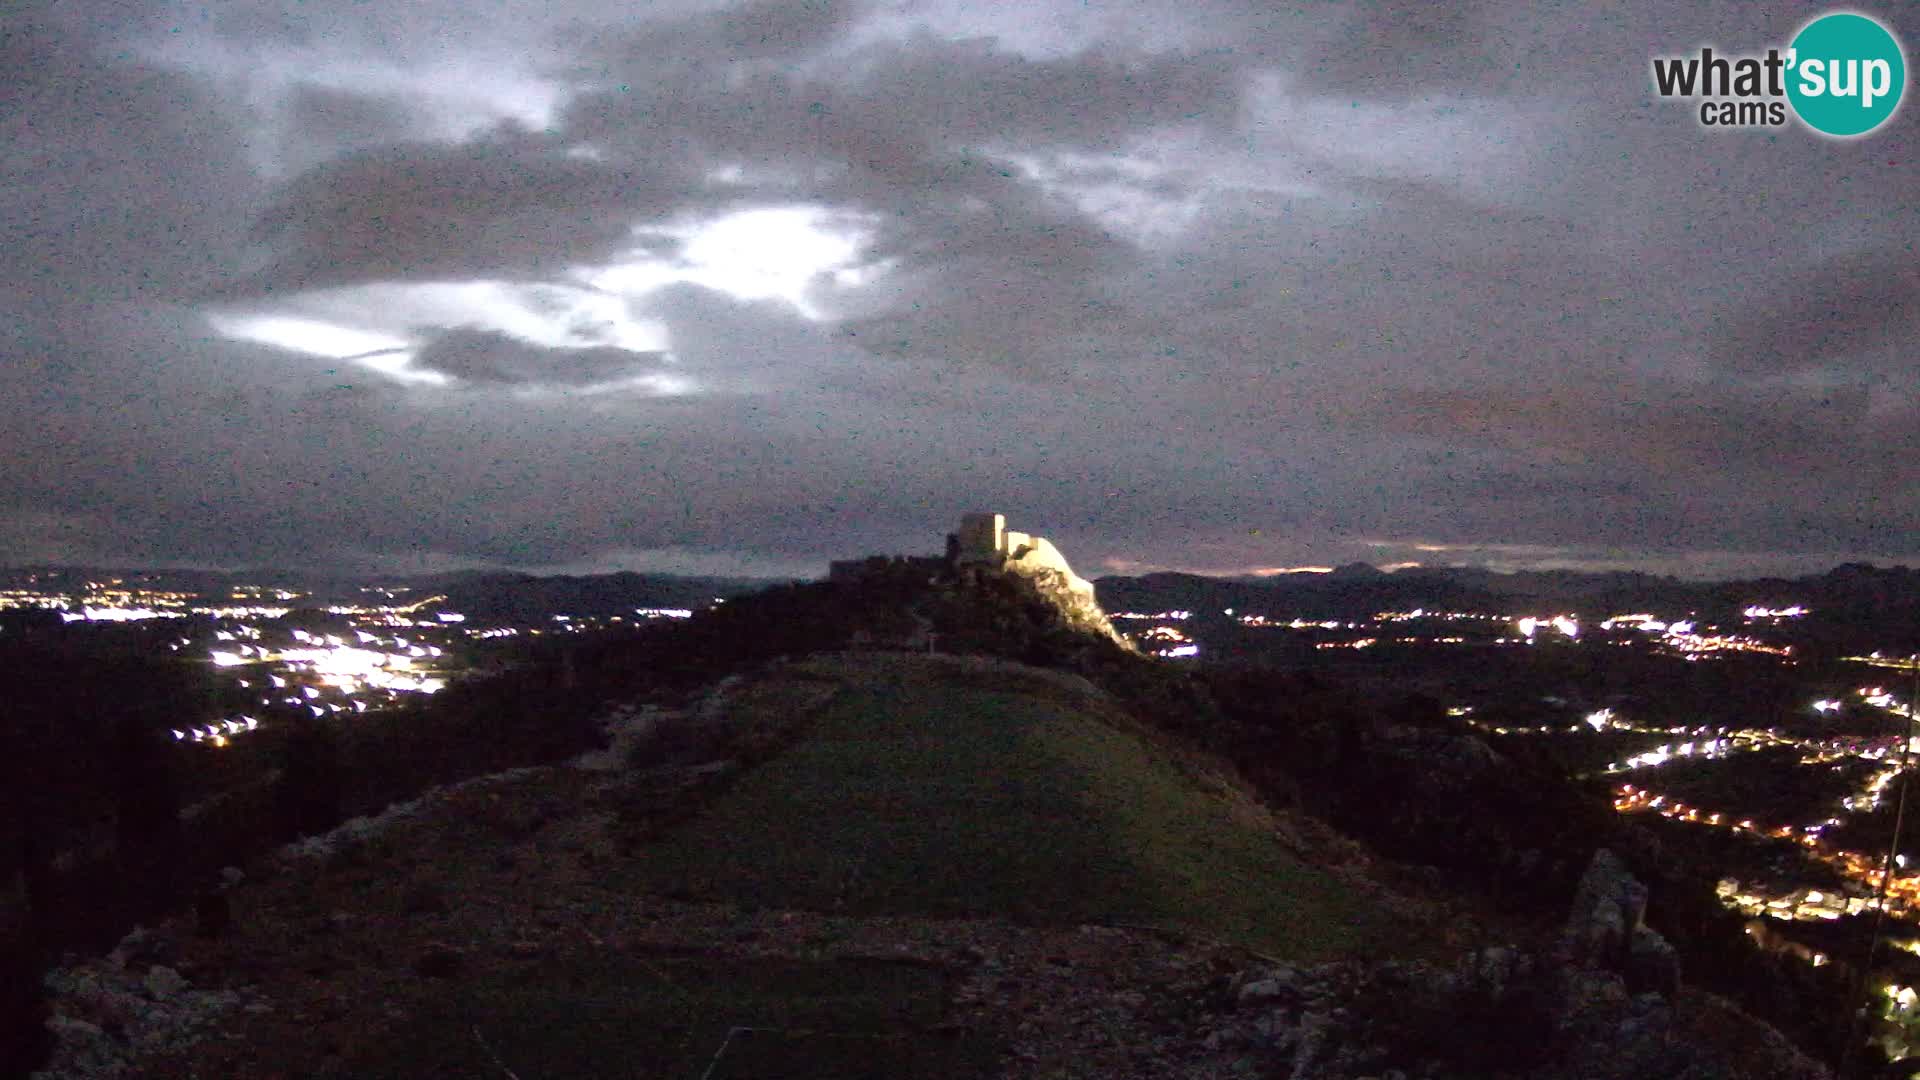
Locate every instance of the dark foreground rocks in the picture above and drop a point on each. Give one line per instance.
(1604, 1003)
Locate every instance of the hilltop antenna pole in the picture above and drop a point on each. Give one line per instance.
(1886, 875)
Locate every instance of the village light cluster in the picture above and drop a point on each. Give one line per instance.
(1709, 748)
(1168, 642)
(387, 646)
(1679, 637)
(254, 612)
(1530, 625)
(1793, 905)
(217, 733)
(1880, 698)
(1692, 645)
(113, 600)
(1862, 870)
(1379, 620)
(118, 614)
(346, 667)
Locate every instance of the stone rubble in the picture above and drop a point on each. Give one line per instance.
(113, 1011)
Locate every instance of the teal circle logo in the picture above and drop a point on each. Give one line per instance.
(1846, 74)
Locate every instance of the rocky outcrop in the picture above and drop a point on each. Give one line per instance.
(111, 1012)
(983, 542)
(1652, 964)
(1077, 605)
(1606, 930)
(1607, 910)
(1603, 1004)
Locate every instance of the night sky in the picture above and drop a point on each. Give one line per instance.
(1201, 285)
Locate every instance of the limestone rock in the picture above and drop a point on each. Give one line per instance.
(1652, 965)
(1607, 909)
(141, 948)
(1279, 984)
(163, 982)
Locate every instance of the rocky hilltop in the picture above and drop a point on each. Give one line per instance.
(984, 548)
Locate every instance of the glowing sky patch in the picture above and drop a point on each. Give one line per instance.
(399, 367)
(382, 353)
(1125, 192)
(774, 253)
(380, 326)
(310, 336)
(651, 384)
(554, 315)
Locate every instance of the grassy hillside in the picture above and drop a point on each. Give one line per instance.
(925, 789)
(803, 916)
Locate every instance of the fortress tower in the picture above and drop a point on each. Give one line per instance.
(983, 537)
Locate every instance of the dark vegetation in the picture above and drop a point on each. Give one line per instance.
(93, 787)
(81, 757)
(1413, 783)
(1767, 785)
(858, 1019)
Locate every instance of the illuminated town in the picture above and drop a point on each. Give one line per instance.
(287, 651)
(1646, 749)
(1681, 637)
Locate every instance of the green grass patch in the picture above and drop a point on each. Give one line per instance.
(912, 794)
(637, 1016)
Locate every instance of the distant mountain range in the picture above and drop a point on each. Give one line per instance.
(1888, 597)
(490, 595)
(524, 597)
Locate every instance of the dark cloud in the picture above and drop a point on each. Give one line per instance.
(1859, 311)
(977, 93)
(754, 30)
(331, 121)
(1232, 285)
(486, 357)
(508, 204)
(119, 179)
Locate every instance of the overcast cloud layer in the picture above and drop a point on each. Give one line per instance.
(1207, 285)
